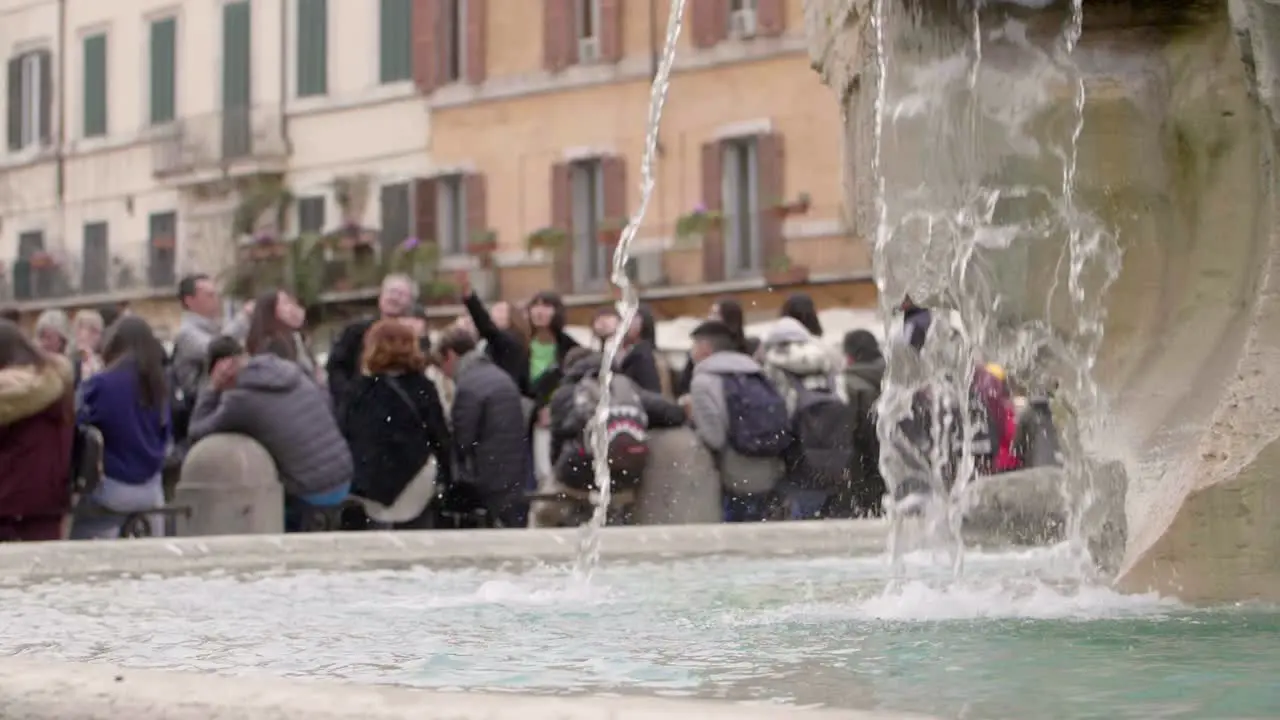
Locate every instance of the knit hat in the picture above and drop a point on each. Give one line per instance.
(55, 320)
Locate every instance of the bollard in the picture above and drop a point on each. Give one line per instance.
(681, 484)
(229, 483)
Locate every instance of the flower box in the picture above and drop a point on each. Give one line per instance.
(799, 206)
(788, 275)
(546, 239)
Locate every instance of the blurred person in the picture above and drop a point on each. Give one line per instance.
(639, 358)
(505, 345)
(396, 427)
(128, 402)
(37, 421)
(489, 433)
(729, 312)
(863, 378)
(12, 315)
(86, 346)
(272, 401)
(604, 326)
(548, 344)
(275, 327)
(201, 323)
(800, 307)
(110, 314)
(53, 332)
(396, 299)
(916, 322)
(740, 417)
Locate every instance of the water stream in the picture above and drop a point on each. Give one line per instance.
(629, 305)
(978, 114)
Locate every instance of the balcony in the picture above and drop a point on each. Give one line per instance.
(48, 279)
(226, 144)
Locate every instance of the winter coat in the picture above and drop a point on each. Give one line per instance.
(288, 414)
(488, 427)
(135, 439)
(710, 416)
(790, 355)
(191, 350)
(503, 347)
(389, 442)
(568, 422)
(37, 418)
(640, 363)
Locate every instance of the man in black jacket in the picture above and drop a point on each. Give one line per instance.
(488, 429)
(396, 298)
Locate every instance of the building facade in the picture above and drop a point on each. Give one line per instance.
(138, 131)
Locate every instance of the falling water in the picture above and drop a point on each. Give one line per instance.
(629, 305)
(977, 117)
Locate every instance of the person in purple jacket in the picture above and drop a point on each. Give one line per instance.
(128, 403)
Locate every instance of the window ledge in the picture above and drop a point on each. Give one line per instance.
(629, 69)
(374, 95)
(28, 156)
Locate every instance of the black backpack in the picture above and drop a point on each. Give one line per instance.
(758, 426)
(822, 453)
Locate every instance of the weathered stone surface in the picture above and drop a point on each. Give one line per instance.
(680, 484)
(1177, 157)
(229, 482)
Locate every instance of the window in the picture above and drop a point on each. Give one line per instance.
(237, 140)
(313, 51)
(164, 70)
(395, 202)
(587, 29)
(740, 192)
(742, 18)
(311, 215)
(29, 282)
(451, 214)
(94, 255)
(395, 39)
(586, 187)
(162, 233)
(740, 5)
(95, 85)
(30, 99)
(455, 42)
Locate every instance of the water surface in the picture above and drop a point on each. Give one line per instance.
(1015, 639)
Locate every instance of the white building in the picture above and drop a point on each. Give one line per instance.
(136, 128)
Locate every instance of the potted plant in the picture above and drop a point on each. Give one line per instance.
(547, 238)
(482, 243)
(163, 242)
(696, 223)
(40, 260)
(799, 206)
(782, 272)
(610, 232)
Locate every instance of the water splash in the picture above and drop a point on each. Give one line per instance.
(629, 305)
(974, 163)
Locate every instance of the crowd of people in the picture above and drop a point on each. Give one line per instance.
(400, 429)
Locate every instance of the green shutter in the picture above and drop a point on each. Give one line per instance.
(313, 51)
(395, 40)
(95, 85)
(236, 55)
(164, 70)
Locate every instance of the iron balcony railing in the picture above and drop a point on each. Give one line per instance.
(218, 140)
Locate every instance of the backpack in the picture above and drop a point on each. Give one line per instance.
(821, 457)
(625, 430)
(758, 426)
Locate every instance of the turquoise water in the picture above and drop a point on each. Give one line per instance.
(1015, 639)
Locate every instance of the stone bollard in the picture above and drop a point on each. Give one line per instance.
(229, 482)
(681, 484)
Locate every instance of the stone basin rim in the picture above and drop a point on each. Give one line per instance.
(72, 560)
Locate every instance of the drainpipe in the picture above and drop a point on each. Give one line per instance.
(59, 157)
(284, 76)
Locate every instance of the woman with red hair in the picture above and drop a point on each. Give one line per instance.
(397, 430)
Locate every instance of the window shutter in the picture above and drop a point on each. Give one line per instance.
(713, 201)
(425, 209)
(770, 166)
(46, 96)
(610, 20)
(162, 71)
(477, 40)
(443, 35)
(14, 93)
(557, 34)
(771, 17)
(709, 22)
(94, 258)
(312, 50)
(477, 206)
(562, 219)
(426, 54)
(94, 79)
(613, 176)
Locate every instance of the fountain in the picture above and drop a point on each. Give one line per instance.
(1095, 133)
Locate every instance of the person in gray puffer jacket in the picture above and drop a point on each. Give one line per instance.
(270, 400)
(493, 456)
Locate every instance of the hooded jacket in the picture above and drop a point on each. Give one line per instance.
(37, 418)
(710, 415)
(190, 349)
(489, 427)
(792, 355)
(274, 403)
